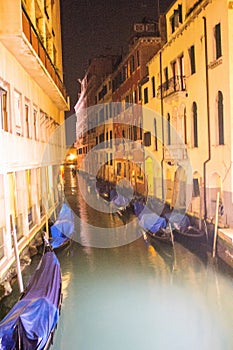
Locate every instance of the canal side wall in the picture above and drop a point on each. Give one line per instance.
(33, 247)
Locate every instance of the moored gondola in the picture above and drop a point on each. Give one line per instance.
(154, 225)
(184, 231)
(61, 231)
(31, 323)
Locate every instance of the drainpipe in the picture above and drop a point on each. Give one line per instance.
(208, 117)
(161, 109)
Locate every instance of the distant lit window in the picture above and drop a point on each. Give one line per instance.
(218, 43)
(220, 119)
(192, 59)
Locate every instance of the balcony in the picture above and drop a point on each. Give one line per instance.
(20, 37)
(175, 153)
(175, 85)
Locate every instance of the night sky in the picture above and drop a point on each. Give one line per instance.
(95, 27)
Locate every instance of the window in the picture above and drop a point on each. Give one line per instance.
(166, 78)
(118, 168)
(42, 127)
(185, 127)
(174, 74)
(155, 131)
(110, 137)
(195, 126)
(134, 133)
(168, 129)
(138, 59)
(3, 110)
(192, 59)
(218, 44)
(140, 93)
(26, 134)
(140, 130)
(146, 95)
(220, 119)
(2, 215)
(182, 75)
(196, 189)
(101, 138)
(176, 18)
(147, 138)
(35, 126)
(17, 112)
(131, 64)
(110, 159)
(153, 86)
(106, 139)
(101, 115)
(29, 197)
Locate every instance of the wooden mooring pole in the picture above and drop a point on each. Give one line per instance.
(216, 226)
(19, 273)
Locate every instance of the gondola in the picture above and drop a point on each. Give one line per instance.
(154, 225)
(183, 230)
(31, 323)
(61, 231)
(120, 204)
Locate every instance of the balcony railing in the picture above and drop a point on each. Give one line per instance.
(171, 86)
(34, 39)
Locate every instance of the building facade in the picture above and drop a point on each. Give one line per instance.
(99, 68)
(32, 133)
(189, 100)
(117, 115)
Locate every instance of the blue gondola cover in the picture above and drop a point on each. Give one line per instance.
(29, 323)
(63, 228)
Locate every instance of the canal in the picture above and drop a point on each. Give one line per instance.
(122, 293)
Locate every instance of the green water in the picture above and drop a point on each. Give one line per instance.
(138, 296)
(135, 295)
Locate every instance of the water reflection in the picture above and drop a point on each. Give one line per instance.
(129, 298)
(141, 295)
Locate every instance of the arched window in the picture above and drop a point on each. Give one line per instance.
(168, 129)
(220, 119)
(195, 127)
